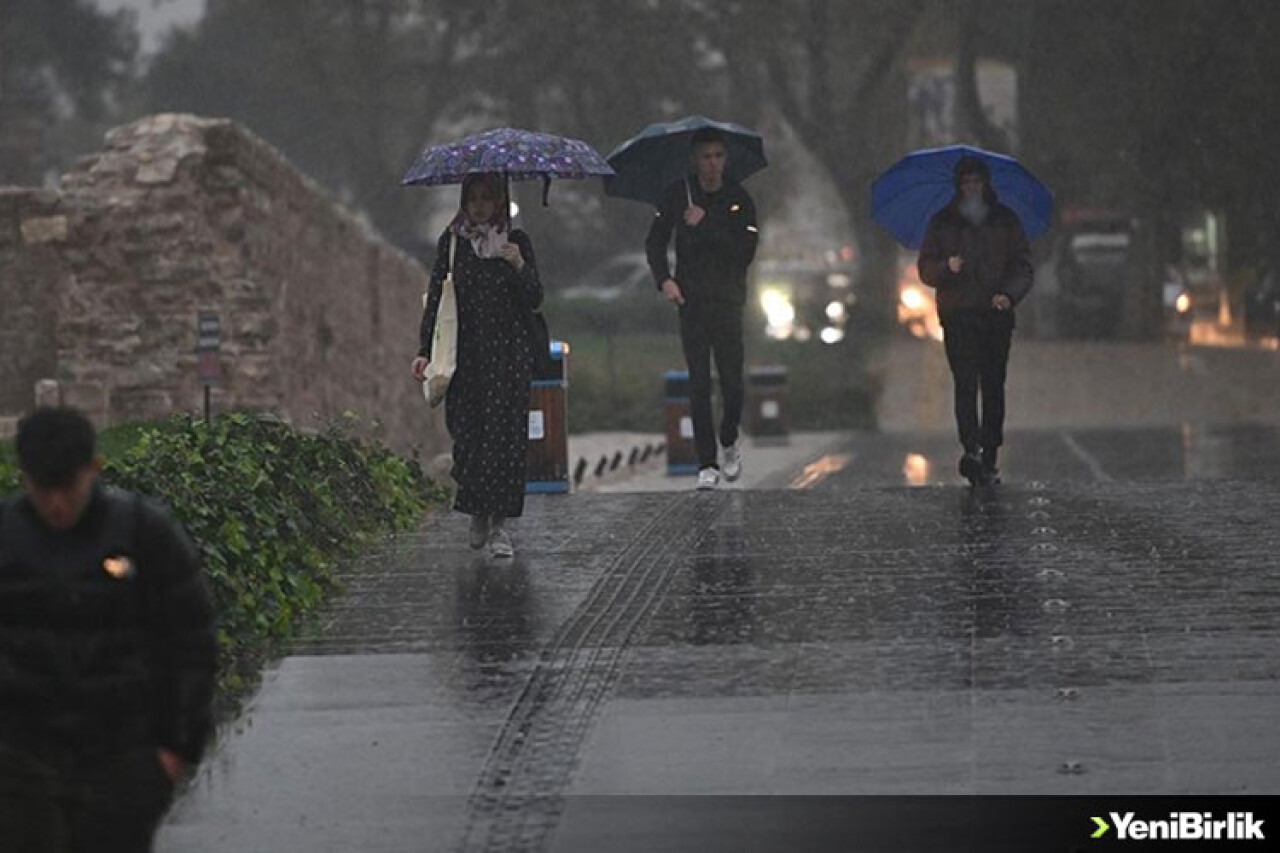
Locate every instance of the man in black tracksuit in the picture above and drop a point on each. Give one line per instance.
(975, 254)
(714, 221)
(107, 652)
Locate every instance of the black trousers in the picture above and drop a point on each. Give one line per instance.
(55, 801)
(978, 353)
(706, 331)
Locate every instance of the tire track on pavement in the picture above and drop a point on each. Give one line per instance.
(519, 794)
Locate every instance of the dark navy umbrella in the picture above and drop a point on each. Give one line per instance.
(658, 156)
(517, 154)
(909, 193)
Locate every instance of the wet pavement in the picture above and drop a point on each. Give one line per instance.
(1100, 384)
(1106, 621)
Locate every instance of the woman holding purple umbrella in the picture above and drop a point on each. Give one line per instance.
(486, 407)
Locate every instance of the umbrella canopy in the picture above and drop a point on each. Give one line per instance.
(658, 156)
(517, 154)
(907, 195)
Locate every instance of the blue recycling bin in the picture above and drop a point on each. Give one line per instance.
(682, 452)
(547, 465)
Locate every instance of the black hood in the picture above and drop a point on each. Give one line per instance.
(969, 166)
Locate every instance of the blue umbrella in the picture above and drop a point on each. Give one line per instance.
(658, 156)
(517, 154)
(907, 195)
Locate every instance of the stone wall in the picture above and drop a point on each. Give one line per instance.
(178, 214)
(32, 224)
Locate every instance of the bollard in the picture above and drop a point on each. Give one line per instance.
(766, 402)
(547, 463)
(682, 453)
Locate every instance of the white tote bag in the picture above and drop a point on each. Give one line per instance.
(444, 338)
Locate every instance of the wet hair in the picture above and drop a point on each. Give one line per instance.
(54, 444)
(705, 135)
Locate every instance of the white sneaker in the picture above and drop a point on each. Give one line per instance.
(479, 531)
(732, 465)
(708, 478)
(500, 542)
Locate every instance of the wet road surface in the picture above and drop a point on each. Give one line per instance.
(1106, 621)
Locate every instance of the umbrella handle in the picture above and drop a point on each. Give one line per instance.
(506, 193)
(688, 193)
(506, 200)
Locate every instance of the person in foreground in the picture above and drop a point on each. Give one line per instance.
(975, 254)
(107, 651)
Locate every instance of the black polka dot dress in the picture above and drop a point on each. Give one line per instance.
(487, 405)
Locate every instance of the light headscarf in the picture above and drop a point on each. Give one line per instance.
(486, 238)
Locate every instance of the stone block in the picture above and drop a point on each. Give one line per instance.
(44, 229)
(92, 398)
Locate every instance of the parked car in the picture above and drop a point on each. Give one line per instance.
(803, 300)
(917, 305)
(1176, 305)
(1094, 269)
(620, 275)
(1262, 306)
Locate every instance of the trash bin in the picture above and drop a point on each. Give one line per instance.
(767, 402)
(682, 453)
(547, 465)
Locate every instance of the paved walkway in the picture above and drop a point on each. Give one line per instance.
(1098, 628)
(1074, 385)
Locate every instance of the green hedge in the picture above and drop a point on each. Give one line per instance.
(8, 468)
(273, 511)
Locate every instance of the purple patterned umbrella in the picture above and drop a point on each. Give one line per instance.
(518, 154)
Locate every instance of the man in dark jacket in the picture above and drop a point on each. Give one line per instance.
(975, 254)
(106, 651)
(714, 221)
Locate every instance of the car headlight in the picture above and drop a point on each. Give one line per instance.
(1183, 303)
(835, 311)
(778, 308)
(913, 298)
(831, 335)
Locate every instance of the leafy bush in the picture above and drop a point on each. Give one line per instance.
(273, 510)
(8, 468)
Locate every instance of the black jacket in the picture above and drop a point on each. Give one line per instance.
(106, 631)
(711, 258)
(997, 259)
